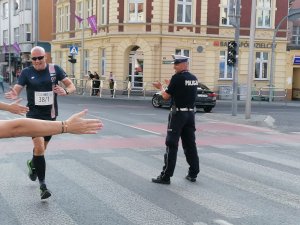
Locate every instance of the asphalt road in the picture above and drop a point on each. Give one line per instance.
(249, 169)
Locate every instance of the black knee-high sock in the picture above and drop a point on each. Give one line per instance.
(39, 163)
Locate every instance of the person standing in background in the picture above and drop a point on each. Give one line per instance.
(111, 83)
(1, 82)
(95, 84)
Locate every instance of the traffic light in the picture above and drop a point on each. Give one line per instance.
(6, 57)
(71, 59)
(231, 53)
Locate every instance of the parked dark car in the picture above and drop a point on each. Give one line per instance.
(206, 99)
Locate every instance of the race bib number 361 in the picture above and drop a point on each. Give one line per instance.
(43, 98)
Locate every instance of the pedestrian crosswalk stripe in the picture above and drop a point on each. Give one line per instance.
(24, 199)
(125, 202)
(255, 169)
(199, 223)
(222, 222)
(194, 193)
(274, 194)
(275, 159)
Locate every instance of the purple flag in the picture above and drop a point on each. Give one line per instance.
(79, 19)
(5, 48)
(93, 23)
(17, 47)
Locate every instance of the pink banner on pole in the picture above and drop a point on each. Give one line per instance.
(17, 47)
(93, 23)
(78, 18)
(5, 48)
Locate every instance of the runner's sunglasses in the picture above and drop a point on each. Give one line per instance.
(37, 58)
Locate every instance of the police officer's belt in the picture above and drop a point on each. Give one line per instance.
(184, 109)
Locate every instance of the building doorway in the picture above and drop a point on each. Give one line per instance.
(136, 67)
(296, 84)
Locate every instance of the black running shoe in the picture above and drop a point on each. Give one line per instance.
(31, 171)
(45, 193)
(161, 180)
(189, 178)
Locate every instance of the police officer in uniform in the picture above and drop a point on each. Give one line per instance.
(182, 88)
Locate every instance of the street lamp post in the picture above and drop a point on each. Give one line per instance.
(9, 44)
(250, 63)
(82, 45)
(82, 58)
(271, 85)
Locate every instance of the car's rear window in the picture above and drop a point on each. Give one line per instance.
(202, 86)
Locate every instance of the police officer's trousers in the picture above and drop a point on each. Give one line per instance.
(181, 124)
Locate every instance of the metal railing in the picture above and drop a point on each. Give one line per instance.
(259, 94)
(80, 84)
(275, 93)
(84, 86)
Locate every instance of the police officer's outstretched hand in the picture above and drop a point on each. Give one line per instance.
(167, 82)
(76, 124)
(157, 84)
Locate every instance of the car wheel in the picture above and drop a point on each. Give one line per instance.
(207, 109)
(155, 102)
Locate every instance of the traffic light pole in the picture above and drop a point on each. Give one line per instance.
(73, 70)
(236, 25)
(72, 60)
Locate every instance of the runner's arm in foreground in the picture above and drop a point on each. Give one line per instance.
(38, 128)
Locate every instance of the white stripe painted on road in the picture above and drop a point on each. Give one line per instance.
(128, 204)
(254, 168)
(143, 114)
(276, 159)
(194, 193)
(222, 222)
(274, 194)
(24, 199)
(126, 125)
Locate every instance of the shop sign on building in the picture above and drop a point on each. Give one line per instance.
(296, 60)
(245, 44)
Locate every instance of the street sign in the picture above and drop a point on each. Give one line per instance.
(73, 50)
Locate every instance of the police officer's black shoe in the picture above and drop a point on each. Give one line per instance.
(189, 178)
(161, 180)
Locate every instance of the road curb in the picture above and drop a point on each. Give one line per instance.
(255, 120)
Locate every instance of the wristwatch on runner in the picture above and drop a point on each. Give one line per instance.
(66, 91)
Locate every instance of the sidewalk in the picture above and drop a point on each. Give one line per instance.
(255, 120)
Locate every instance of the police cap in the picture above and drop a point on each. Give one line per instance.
(180, 59)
